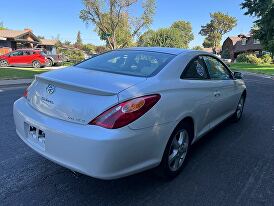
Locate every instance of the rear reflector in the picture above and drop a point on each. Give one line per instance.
(125, 112)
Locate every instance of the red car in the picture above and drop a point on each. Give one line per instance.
(24, 57)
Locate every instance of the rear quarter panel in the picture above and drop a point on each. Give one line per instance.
(177, 97)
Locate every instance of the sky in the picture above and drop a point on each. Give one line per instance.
(53, 18)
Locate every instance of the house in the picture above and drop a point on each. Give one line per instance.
(14, 39)
(235, 45)
(211, 50)
(49, 45)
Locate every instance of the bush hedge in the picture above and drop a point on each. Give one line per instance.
(253, 59)
(267, 59)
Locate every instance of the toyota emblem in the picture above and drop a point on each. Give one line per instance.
(50, 89)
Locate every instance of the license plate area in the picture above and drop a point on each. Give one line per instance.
(35, 136)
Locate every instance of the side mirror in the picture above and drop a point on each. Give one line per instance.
(238, 75)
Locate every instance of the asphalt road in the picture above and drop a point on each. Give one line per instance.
(232, 165)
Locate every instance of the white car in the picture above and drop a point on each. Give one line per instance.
(128, 110)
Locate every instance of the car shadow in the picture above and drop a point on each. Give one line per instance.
(142, 184)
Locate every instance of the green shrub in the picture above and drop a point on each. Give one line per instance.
(73, 55)
(266, 58)
(225, 54)
(253, 59)
(242, 58)
(249, 58)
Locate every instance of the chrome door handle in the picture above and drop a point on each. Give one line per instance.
(217, 94)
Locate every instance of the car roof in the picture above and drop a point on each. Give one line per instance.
(27, 49)
(174, 51)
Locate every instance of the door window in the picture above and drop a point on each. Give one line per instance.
(27, 53)
(216, 69)
(16, 53)
(196, 69)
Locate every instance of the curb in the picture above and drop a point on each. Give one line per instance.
(14, 82)
(259, 75)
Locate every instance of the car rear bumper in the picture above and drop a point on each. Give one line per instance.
(92, 150)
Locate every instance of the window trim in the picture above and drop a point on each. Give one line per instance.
(256, 41)
(209, 77)
(187, 67)
(244, 41)
(225, 66)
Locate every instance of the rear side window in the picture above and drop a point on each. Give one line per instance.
(216, 69)
(128, 62)
(27, 53)
(17, 53)
(43, 53)
(196, 69)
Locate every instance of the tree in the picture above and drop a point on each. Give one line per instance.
(79, 42)
(225, 54)
(113, 22)
(178, 35)
(264, 25)
(88, 48)
(40, 37)
(219, 25)
(209, 41)
(2, 26)
(165, 37)
(100, 49)
(197, 48)
(185, 29)
(144, 39)
(67, 43)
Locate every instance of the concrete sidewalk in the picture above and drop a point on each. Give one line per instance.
(14, 82)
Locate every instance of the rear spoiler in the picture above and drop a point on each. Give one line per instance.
(74, 87)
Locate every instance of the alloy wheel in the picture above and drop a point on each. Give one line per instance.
(36, 64)
(240, 108)
(3, 63)
(50, 63)
(178, 150)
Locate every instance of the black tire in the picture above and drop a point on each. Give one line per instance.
(36, 64)
(239, 110)
(165, 169)
(50, 63)
(3, 63)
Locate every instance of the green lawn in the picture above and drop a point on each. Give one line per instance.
(260, 69)
(19, 73)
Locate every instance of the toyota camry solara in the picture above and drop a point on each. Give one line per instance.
(128, 110)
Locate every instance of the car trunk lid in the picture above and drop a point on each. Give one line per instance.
(77, 95)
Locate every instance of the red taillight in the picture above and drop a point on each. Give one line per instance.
(125, 112)
(25, 93)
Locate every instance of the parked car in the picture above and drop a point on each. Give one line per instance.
(128, 110)
(24, 57)
(54, 59)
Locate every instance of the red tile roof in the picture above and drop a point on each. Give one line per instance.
(49, 42)
(6, 33)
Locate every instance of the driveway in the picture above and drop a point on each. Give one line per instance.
(232, 165)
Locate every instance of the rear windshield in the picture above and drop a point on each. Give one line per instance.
(128, 62)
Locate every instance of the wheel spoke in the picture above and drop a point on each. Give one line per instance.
(172, 157)
(175, 143)
(182, 137)
(184, 147)
(176, 163)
